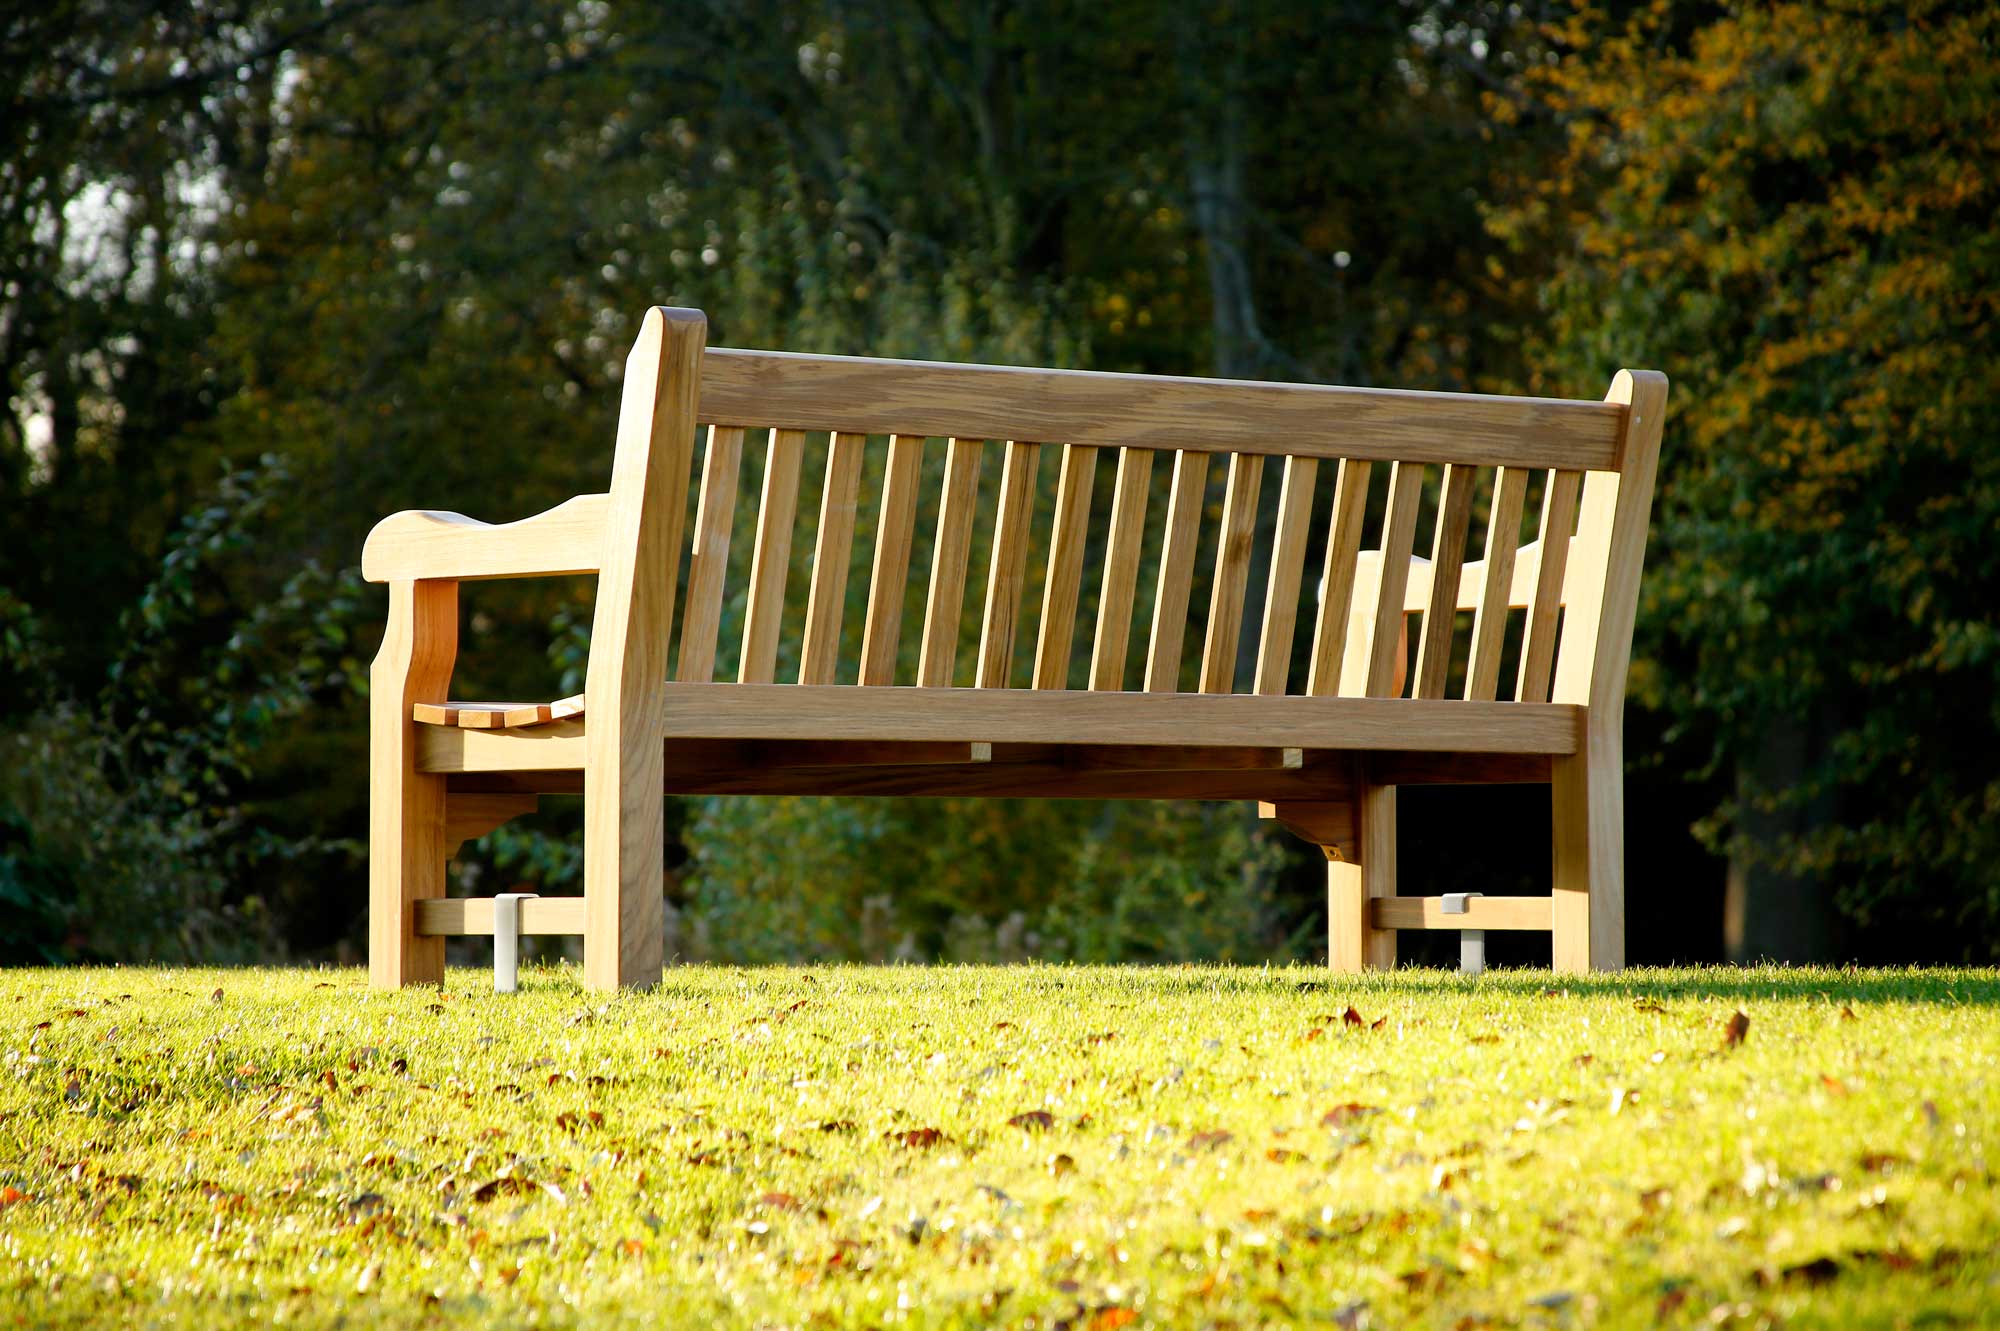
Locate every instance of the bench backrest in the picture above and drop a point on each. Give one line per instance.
(937, 465)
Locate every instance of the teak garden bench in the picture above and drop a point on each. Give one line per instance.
(1322, 742)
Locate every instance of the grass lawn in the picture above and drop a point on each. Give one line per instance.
(1032, 1146)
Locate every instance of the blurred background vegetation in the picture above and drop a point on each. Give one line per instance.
(271, 269)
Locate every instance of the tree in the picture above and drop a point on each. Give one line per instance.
(1790, 209)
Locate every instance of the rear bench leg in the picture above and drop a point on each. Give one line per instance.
(1352, 941)
(406, 808)
(1588, 794)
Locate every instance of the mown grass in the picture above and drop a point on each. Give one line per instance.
(1032, 1146)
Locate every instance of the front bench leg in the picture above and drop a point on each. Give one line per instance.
(1352, 941)
(406, 808)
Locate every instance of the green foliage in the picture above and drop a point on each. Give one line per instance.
(966, 1147)
(126, 830)
(1792, 209)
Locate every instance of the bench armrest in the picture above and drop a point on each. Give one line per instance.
(419, 544)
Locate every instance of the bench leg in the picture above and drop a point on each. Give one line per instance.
(1588, 795)
(624, 876)
(1352, 942)
(406, 808)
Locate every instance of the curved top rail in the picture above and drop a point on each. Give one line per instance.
(938, 399)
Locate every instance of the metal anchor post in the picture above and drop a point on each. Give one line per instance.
(507, 940)
(1471, 942)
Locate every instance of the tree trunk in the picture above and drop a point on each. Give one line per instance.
(1769, 913)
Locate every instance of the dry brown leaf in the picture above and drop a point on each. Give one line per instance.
(916, 1139)
(1208, 1141)
(216, 997)
(1060, 1164)
(1035, 1120)
(780, 1201)
(1738, 1027)
(1353, 1018)
(1834, 1085)
(1110, 1319)
(1341, 1116)
(1847, 1013)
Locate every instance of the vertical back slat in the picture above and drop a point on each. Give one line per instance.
(1232, 572)
(1336, 588)
(1177, 550)
(1288, 566)
(1489, 617)
(1065, 574)
(715, 514)
(771, 558)
(946, 600)
(1454, 520)
(820, 651)
(1538, 651)
(1121, 569)
(1010, 562)
(1399, 534)
(889, 579)
(1588, 555)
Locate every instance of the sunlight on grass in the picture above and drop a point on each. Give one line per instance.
(1030, 1146)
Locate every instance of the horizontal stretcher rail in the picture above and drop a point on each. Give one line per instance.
(459, 916)
(1529, 913)
(938, 399)
(1023, 716)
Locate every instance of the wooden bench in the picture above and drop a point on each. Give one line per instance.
(1322, 742)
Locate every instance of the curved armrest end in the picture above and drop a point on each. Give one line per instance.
(420, 544)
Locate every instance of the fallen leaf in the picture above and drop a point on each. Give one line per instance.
(1062, 1164)
(780, 1201)
(1649, 1005)
(1353, 1018)
(916, 1139)
(10, 1194)
(1819, 1271)
(1110, 1319)
(513, 1185)
(1738, 1027)
(1877, 1161)
(1847, 1013)
(1834, 1085)
(1931, 1115)
(1341, 1116)
(1104, 1037)
(1035, 1120)
(1278, 1155)
(1208, 1141)
(216, 997)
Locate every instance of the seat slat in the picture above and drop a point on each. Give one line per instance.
(1399, 533)
(715, 517)
(946, 600)
(890, 576)
(1177, 551)
(1121, 569)
(1009, 567)
(1538, 650)
(1489, 615)
(1067, 537)
(771, 556)
(1343, 550)
(820, 651)
(1288, 566)
(1454, 520)
(1233, 543)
